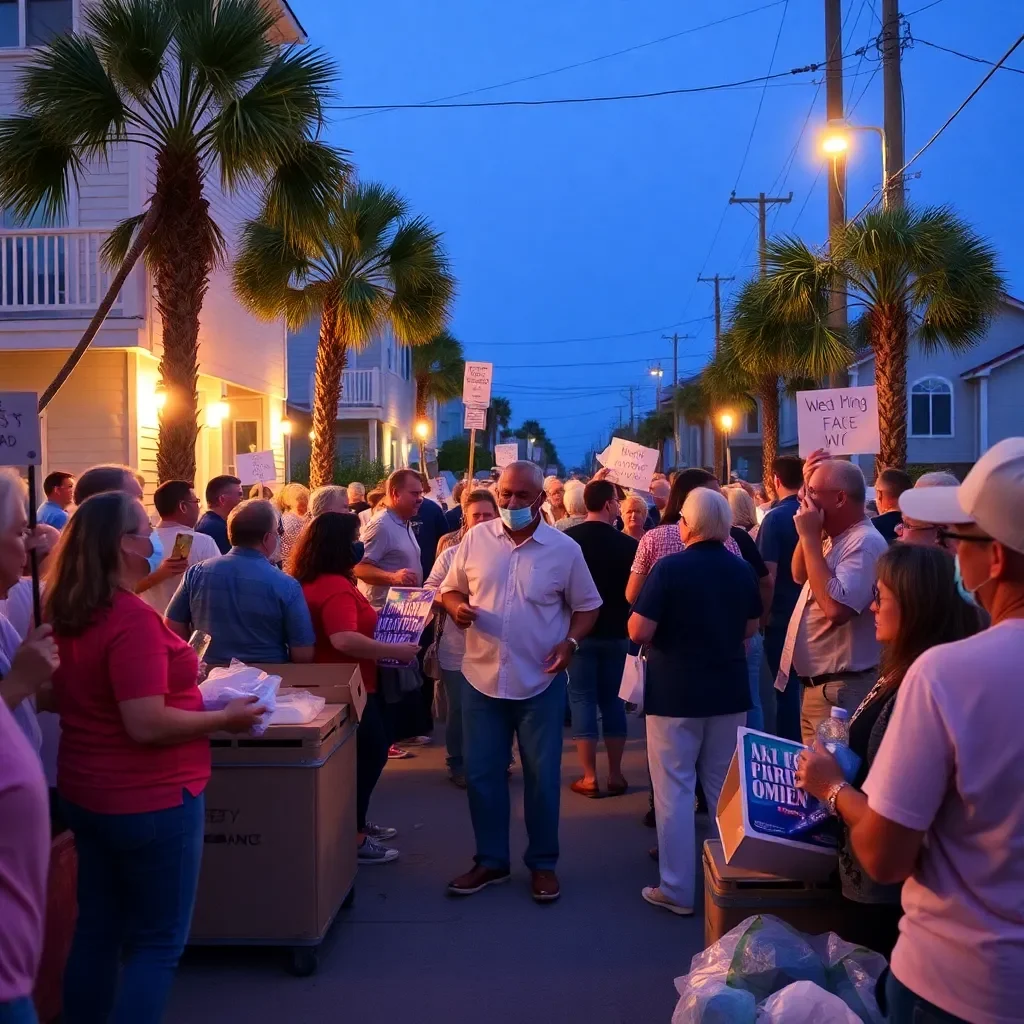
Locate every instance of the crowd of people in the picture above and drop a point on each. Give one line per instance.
(743, 609)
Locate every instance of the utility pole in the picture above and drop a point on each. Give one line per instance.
(717, 280)
(632, 389)
(762, 202)
(837, 316)
(675, 338)
(892, 190)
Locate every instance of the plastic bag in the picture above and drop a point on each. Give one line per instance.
(763, 955)
(716, 1003)
(224, 685)
(296, 707)
(803, 1002)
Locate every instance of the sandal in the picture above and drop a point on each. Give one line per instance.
(589, 791)
(619, 790)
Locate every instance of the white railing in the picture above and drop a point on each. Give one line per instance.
(360, 387)
(47, 271)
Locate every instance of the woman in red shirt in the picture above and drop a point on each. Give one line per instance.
(133, 762)
(344, 622)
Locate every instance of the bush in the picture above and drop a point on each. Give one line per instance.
(918, 469)
(364, 471)
(453, 456)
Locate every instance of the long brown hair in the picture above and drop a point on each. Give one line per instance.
(325, 547)
(685, 481)
(931, 611)
(86, 567)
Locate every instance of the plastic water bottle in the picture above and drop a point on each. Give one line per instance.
(835, 730)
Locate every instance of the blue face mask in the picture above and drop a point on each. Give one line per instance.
(358, 548)
(158, 552)
(517, 518)
(961, 587)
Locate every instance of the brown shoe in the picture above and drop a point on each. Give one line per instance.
(476, 879)
(545, 887)
(579, 786)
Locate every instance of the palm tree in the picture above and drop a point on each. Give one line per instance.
(199, 85)
(438, 367)
(499, 415)
(766, 346)
(372, 267)
(922, 274)
(728, 388)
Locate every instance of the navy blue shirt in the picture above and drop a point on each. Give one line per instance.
(216, 527)
(429, 525)
(777, 541)
(454, 518)
(701, 599)
(251, 610)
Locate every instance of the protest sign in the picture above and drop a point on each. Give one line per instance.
(475, 418)
(476, 384)
(631, 464)
(505, 454)
(764, 821)
(440, 490)
(403, 618)
(843, 420)
(256, 467)
(20, 442)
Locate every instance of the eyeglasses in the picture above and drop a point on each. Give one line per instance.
(876, 594)
(944, 535)
(902, 528)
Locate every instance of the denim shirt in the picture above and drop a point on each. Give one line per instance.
(251, 610)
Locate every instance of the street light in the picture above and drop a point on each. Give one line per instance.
(657, 372)
(836, 141)
(726, 422)
(422, 432)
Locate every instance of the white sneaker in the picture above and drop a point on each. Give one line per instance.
(371, 852)
(657, 898)
(380, 833)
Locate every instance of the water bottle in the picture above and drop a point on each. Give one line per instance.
(835, 730)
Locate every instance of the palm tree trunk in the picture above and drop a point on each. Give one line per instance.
(183, 257)
(889, 341)
(768, 393)
(145, 233)
(331, 357)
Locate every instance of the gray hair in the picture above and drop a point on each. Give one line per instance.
(707, 514)
(357, 489)
(573, 498)
(744, 513)
(849, 477)
(633, 501)
(549, 480)
(534, 471)
(937, 479)
(250, 522)
(324, 499)
(13, 497)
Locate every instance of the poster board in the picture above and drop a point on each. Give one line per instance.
(20, 439)
(440, 491)
(256, 467)
(506, 454)
(764, 821)
(842, 420)
(631, 464)
(476, 384)
(405, 615)
(475, 418)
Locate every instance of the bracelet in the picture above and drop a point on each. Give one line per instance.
(833, 795)
(575, 643)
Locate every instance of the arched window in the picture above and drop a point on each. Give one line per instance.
(931, 408)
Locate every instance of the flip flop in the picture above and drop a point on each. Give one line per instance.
(589, 791)
(618, 790)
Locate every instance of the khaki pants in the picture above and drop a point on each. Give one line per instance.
(818, 701)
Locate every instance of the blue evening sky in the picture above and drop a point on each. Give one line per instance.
(583, 221)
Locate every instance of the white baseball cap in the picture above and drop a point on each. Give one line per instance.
(992, 496)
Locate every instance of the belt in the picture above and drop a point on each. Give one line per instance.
(832, 677)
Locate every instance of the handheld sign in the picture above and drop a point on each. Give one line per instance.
(506, 454)
(631, 464)
(20, 441)
(403, 618)
(475, 418)
(256, 467)
(843, 420)
(440, 490)
(476, 384)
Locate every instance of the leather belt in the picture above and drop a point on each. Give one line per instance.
(831, 677)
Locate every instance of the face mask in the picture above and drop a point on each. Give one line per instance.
(517, 518)
(961, 587)
(358, 548)
(157, 556)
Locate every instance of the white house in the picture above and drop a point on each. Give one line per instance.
(51, 281)
(378, 399)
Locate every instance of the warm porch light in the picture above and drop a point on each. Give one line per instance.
(217, 413)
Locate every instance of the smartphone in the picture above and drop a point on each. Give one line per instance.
(182, 545)
(200, 643)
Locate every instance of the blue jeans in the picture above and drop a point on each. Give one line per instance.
(454, 683)
(595, 676)
(755, 653)
(906, 1007)
(489, 724)
(787, 704)
(137, 878)
(18, 1011)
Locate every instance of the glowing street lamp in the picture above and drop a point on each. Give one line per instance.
(836, 141)
(726, 421)
(422, 432)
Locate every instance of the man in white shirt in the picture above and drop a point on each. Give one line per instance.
(945, 792)
(524, 595)
(178, 507)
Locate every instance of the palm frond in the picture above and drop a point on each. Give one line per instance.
(115, 248)
(692, 402)
(265, 267)
(132, 39)
(423, 282)
(438, 365)
(35, 170)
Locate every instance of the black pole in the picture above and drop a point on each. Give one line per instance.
(725, 457)
(33, 555)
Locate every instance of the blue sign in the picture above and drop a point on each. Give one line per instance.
(775, 807)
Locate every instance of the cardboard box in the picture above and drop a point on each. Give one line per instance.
(279, 854)
(337, 684)
(760, 807)
(732, 894)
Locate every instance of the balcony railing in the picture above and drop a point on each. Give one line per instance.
(360, 387)
(52, 272)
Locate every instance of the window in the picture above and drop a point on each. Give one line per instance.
(931, 408)
(753, 424)
(34, 22)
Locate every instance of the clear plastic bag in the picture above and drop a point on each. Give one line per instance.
(296, 707)
(803, 1002)
(224, 685)
(763, 955)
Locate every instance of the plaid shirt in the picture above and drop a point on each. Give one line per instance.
(661, 541)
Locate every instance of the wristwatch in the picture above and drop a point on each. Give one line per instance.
(833, 795)
(575, 643)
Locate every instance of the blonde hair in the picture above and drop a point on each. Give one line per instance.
(13, 494)
(744, 513)
(573, 499)
(288, 497)
(323, 498)
(631, 501)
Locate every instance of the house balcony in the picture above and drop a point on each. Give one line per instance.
(360, 389)
(50, 273)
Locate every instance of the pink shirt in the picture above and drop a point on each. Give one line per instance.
(24, 854)
(952, 765)
(661, 541)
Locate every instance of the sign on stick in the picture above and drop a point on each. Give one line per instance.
(475, 418)
(843, 420)
(20, 442)
(631, 464)
(506, 454)
(256, 467)
(476, 384)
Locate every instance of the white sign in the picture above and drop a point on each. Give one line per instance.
(20, 443)
(631, 464)
(843, 420)
(476, 384)
(256, 467)
(439, 489)
(476, 418)
(506, 454)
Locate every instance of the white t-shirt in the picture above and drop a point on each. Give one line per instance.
(203, 547)
(952, 765)
(452, 648)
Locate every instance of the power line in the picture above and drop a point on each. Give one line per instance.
(966, 56)
(578, 363)
(934, 3)
(597, 337)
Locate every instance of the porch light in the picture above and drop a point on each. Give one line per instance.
(217, 413)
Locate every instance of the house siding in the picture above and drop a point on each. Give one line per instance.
(103, 191)
(1005, 407)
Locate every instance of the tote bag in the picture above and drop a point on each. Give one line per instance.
(634, 675)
